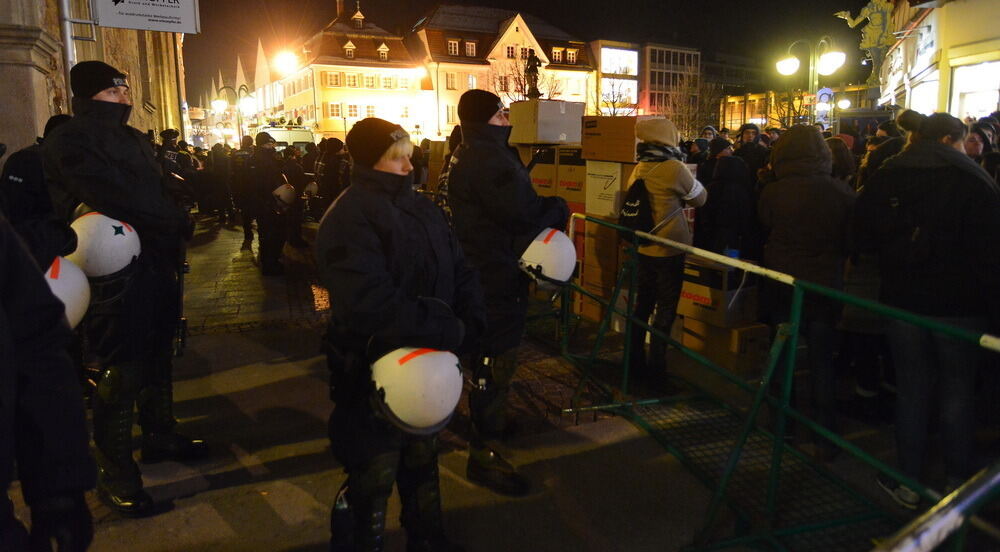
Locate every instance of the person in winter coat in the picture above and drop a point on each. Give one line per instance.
(807, 213)
(978, 142)
(335, 175)
(42, 422)
(297, 177)
(265, 176)
(671, 188)
(727, 219)
(496, 215)
(844, 166)
(749, 149)
(97, 159)
(25, 201)
(397, 277)
(931, 215)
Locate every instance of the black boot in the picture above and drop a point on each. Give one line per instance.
(156, 416)
(419, 492)
(119, 483)
(487, 468)
(368, 489)
(341, 523)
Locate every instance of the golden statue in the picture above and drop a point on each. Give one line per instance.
(876, 36)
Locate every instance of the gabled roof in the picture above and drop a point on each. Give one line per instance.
(480, 19)
(327, 46)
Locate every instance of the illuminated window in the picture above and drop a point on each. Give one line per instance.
(503, 83)
(571, 56)
(383, 56)
(449, 81)
(404, 82)
(352, 110)
(387, 82)
(405, 112)
(349, 52)
(369, 81)
(370, 111)
(557, 55)
(470, 49)
(335, 110)
(452, 47)
(333, 79)
(511, 52)
(524, 53)
(352, 80)
(472, 81)
(452, 114)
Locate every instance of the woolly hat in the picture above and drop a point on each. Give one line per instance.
(718, 144)
(659, 131)
(478, 106)
(264, 138)
(369, 139)
(702, 144)
(90, 77)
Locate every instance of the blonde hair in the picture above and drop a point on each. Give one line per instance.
(399, 149)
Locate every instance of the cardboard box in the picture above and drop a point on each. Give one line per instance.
(545, 122)
(571, 175)
(601, 246)
(742, 350)
(605, 186)
(543, 173)
(610, 138)
(713, 293)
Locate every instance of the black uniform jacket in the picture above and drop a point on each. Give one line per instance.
(25, 201)
(395, 273)
(42, 423)
(496, 214)
(97, 159)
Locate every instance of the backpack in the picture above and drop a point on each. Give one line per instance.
(636, 212)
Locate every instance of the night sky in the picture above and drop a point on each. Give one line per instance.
(761, 29)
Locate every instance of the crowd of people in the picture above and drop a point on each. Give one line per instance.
(907, 217)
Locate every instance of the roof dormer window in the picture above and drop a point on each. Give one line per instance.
(349, 50)
(358, 18)
(383, 52)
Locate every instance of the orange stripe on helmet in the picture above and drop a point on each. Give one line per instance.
(414, 354)
(548, 238)
(54, 271)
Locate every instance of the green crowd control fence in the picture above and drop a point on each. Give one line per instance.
(779, 497)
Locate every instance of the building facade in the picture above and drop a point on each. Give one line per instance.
(666, 71)
(731, 74)
(31, 62)
(784, 109)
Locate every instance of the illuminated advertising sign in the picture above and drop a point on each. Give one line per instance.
(619, 62)
(620, 91)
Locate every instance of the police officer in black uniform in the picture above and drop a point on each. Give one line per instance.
(264, 173)
(496, 214)
(42, 422)
(25, 201)
(397, 277)
(241, 185)
(99, 160)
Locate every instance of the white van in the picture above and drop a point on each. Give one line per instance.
(288, 135)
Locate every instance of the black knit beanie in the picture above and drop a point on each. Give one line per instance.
(718, 144)
(263, 139)
(478, 106)
(369, 139)
(90, 77)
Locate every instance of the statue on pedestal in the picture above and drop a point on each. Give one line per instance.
(876, 36)
(531, 75)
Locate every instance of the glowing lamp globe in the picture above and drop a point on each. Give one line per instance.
(844, 104)
(286, 62)
(788, 66)
(248, 105)
(219, 105)
(829, 62)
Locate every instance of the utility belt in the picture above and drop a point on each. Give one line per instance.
(112, 287)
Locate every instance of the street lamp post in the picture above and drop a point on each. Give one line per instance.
(824, 59)
(242, 94)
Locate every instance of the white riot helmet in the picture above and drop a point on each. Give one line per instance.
(418, 389)
(104, 245)
(550, 259)
(70, 285)
(311, 189)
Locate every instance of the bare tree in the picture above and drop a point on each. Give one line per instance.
(616, 99)
(691, 104)
(507, 80)
(787, 108)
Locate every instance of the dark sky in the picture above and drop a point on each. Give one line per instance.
(761, 29)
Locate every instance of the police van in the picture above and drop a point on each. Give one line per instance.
(288, 135)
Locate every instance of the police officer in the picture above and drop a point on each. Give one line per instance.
(178, 167)
(397, 278)
(496, 214)
(25, 201)
(99, 160)
(242, 196)
(265, 176)
(42, 422)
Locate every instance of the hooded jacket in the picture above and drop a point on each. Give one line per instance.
(805, 210)
(671, 188)
(933, 217)
(752, 153)
(726, 221)
(496, 213)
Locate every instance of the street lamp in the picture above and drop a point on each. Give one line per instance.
(824, 59)
(245, 103)
(286, 62)
(844, 104)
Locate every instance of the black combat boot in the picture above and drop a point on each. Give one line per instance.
(487, 468)
(419, 492)
(368, 489)
(119, 483)
(156, 416)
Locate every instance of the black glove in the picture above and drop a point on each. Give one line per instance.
(66, 520)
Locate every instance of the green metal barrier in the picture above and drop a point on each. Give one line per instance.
(768, 531)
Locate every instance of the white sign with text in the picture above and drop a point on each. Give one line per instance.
(172, 16)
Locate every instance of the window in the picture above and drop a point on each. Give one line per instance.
(472, 81)
(503, 83)
(511, 52)
(524, 53)
(470, 49)
(449, 81)
(352, 80)
(352, 110)
(452, 47)
(334, 110)
(349, 52)
(370, 111)
(404, 112)
(571, 56)
(369, 81)
(383, 55)
(387, 82)
(359, 22)
(557, 55)
(452, 114)
(404, 82)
